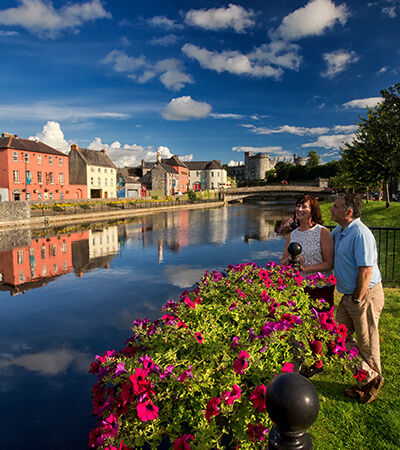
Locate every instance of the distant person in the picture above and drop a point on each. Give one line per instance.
(359, 280)
(316, 256)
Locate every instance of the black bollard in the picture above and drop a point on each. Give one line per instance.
(294, 250)
(293, 405)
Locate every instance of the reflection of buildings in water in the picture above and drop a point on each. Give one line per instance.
(103, 242)
(218, 232)
(97, 250)
(265, 223)
(265, 232)
(35, 265)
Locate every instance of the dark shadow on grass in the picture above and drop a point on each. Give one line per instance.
(331, 389)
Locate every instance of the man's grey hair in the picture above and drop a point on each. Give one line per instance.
(352, 201)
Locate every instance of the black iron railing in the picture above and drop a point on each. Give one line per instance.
(388, 248)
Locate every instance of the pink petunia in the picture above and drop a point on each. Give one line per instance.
(199, 338)
(235, 342)
(186, 374)
(189, 303)
(256, 432)
(182, 442)
(230, 396)
(287, 367)
(147, 410)
(233, 306)
(360, 375)
(212, 408)
(241, 363)
(257, 398)
(138, 379)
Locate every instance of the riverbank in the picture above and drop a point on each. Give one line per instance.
(50, 218)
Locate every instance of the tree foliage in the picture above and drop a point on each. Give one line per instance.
(373, 157)
(312, 159)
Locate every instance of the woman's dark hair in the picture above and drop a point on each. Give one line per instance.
(316, 215)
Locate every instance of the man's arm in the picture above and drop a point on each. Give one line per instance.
(363, 279)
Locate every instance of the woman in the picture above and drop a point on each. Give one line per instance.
(316, 256)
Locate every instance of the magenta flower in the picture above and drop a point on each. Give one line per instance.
(139, 382)
(120, 369)
(256, 432)
(257, 398)
(212, 408)
(233, 306)
(235, 342)
(199, 338)
(167, 372)
(241, 363)
(287, 367)
(360, 375)
(230, 396)
(189, 303)
(182, 442)
(147, 410)
(241, 293)
(353, 353)
(186, 374)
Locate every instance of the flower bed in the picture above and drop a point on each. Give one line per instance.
(198, 375)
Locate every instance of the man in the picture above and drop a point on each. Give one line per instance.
(359, 280)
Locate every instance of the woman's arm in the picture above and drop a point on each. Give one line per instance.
(285, 256)
(327, 254)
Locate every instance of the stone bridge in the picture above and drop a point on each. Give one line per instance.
(238, 194)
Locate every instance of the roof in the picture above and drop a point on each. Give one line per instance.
(174, 161)
(204, 165)
(95, 157)
(27, 145)
(166, 167)
(129, 174)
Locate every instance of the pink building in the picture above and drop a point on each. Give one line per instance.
(32, 170)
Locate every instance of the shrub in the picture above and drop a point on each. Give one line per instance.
(198, 375)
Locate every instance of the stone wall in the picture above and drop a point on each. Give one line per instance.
(12, 213)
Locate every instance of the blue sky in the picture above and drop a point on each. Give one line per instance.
(203, 80)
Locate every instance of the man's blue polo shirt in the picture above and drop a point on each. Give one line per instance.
(354, 246)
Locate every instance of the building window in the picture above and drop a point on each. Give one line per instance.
(99, 170)
(21, 277)
(111, 171)
(61, 178)
(50, 177)
(39, 159)
(16, 176)
(15, 156)
(106, 181)
(44, 271)
(212, 174)
(99, 181)
(28, 177)
(20, 257)
(50, 160)
(40, 177)
(92, 181)
(28, 196)
(105, 170)
(39, 196)
(92, 169)
(43, 252)
(27, 158)
(62, 195)
(60, 161)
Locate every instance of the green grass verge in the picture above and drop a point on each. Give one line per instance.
(344, 423)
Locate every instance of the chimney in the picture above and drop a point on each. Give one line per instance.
(158, 155)
(74, 147)
(103, 150)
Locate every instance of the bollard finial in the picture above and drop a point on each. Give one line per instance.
(294, 250)
(293, 405)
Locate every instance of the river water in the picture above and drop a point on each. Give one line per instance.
(69, 295)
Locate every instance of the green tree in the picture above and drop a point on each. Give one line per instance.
(373, 157)
(312, 159)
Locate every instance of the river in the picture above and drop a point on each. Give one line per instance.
(70, 294)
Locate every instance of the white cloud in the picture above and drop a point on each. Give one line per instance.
(311, 20)
(165, 23)
(390, 11)
(185, 108)
(330, 141)
(170, 71)
(164, 41)
(279, 53)
(382, 70)
(230, 61)
(52, 135)
(338, 61)
(183, 276)
(345, 129)
(129, 155)
(234, 16)
(299, 131)
(362, 103)
(226, 116)
(232, 163)
(44, 110)
(42, 18)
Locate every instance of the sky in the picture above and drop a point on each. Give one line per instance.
(199, 79)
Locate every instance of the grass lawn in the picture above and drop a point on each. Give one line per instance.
(344, 423)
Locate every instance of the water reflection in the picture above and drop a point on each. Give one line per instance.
(29, 263)
(83, 289)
